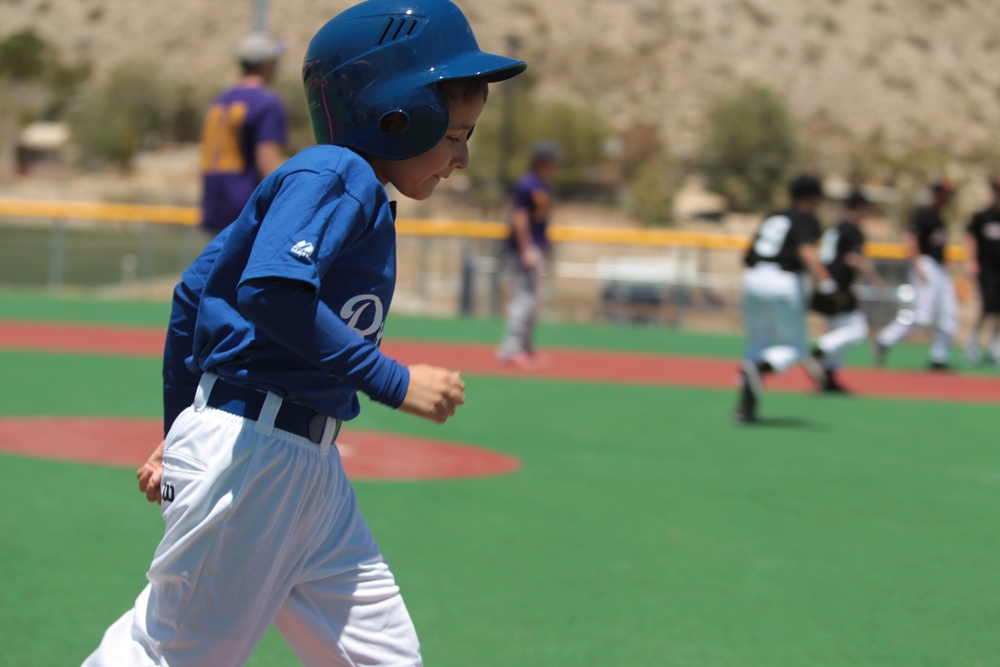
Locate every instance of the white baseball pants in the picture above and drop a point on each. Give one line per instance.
(522, 310)
(263, 527)
(774, 316)
(843, 331)
(935, 305)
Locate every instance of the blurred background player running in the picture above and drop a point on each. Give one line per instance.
(841, 250)
(935, 302)
(982, 236)
(774, 303)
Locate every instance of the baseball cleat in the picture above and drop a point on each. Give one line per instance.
(973, 354)
(939, 366)
(521, 360)
(813, 364)
(750, 390)
(744, 416)
(751, 378)
(831, 385)
(879, 351)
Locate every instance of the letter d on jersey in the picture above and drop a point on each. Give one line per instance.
(355, 307)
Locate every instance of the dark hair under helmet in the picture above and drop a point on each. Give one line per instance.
(385, 57)
(805, 186)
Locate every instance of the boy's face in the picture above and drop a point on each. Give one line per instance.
(417, 177)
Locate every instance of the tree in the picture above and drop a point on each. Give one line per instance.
(34, 85)
(751, 149)
(111, 123)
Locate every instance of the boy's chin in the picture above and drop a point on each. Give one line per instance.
(419, 195)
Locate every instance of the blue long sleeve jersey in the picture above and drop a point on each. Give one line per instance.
(292, 297)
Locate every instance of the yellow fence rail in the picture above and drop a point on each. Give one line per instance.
(188, 216)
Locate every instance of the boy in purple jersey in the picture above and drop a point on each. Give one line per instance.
(242, 134)
(527, 248)
(274, 330)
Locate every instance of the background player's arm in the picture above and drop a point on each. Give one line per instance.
(530, 255)
(971, 256)
(866, 267)
(809, 257)
(912, 246)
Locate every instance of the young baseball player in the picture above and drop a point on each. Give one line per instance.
(527, 248)
(774, 302)
(936, 304)
(982, 264)
(841, 250)
(283, 315)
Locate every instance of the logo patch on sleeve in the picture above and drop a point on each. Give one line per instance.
(302, 250)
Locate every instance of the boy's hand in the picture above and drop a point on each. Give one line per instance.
(150, 473)
(531, 257)
(434, 393)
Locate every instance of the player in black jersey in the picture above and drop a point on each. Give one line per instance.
(982, 264)
(935, 303)
(841, 249)
(774, 304)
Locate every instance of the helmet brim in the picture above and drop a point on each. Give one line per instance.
(488, 66)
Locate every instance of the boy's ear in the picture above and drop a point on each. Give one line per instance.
(393, 122)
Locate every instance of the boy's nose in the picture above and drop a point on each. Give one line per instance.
(461, 160)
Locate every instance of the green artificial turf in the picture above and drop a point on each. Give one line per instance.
(643, 529)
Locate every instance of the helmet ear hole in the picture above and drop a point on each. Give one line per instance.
(394, 122)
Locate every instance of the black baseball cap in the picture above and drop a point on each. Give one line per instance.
(943, 186)
(856, 200)
(546, 150)
(805, 186)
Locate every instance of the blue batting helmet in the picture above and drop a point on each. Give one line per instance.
(382, 58)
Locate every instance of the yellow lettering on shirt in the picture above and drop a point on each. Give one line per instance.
(220, 139)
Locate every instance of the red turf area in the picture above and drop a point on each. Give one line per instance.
(366, 455)
(591, 366)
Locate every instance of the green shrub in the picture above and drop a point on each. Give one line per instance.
(651, 190)
(112, 122)
(751, 149)
(510, 127)
(24, 56)
(46, 83)
(650, 176)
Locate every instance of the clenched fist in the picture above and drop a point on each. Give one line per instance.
(434, 393)
(149, 475)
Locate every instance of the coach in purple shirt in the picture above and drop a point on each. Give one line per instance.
(243, 134)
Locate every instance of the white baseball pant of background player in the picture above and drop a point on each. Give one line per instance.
(304, 557)
(522, 309)
(774, 315)
(935, 304)
(844, 330)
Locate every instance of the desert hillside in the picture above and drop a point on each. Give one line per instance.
(902, 69)
(850, 69)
